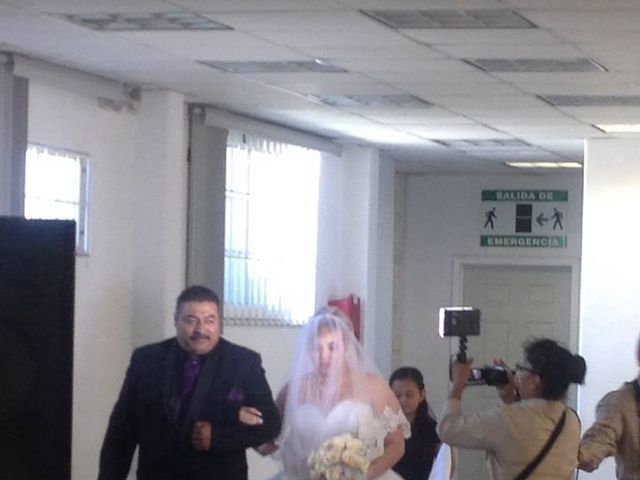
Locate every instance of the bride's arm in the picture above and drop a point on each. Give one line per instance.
(393, 451)
(385, 400)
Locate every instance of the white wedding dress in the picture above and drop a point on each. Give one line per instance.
(348, 416)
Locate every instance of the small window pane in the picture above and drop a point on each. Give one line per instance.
(56, 188)
(271, 233)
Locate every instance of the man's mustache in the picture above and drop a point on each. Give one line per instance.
(198, 336)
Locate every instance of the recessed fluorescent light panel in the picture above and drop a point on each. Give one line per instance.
(592, 100)
(544, 164)
(275, 67)
(536, 65)
(425, 19)
(619, 127)
(401, 100)
(486, 143)
(178, 21)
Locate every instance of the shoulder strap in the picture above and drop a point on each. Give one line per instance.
(636, 388)
(543, 453)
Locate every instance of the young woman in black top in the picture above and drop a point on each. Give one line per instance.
(420, 449)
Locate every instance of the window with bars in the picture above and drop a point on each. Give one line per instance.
(270, 232)
(56, 188)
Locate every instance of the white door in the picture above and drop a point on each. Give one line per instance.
(517, 303)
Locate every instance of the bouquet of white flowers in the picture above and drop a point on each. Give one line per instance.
(343, 457)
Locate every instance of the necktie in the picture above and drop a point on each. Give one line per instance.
(190, 370)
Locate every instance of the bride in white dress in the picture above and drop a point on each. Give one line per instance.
(334, 389)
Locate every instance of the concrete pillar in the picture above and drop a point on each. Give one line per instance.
(160, 206)
(13, 137)
(609, 319)
(207, 177)
(367, 262)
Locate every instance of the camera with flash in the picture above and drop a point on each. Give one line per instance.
(462, 322)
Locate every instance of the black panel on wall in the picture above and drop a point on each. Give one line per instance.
(37, 259)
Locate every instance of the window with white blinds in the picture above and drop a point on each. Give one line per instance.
(56, 183)
(270, 231)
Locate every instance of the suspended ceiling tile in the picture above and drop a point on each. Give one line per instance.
(432, 116)
(506, 119)
(94, 6)
(484, 50)
(542, 84)
(612, 20)
(400, 65)
(438, 37)
(211, 45)
(485, 102)
(327, 84)
(454, 131)
(10, 10)
(432, 88)
(421, 4)
(241, 6)
(602, 38)
(413, 52)
(328, 38)
(301, 22)
(597, 5)
(552, 131)
(594, 115)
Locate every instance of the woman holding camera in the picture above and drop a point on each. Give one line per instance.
(532, 434)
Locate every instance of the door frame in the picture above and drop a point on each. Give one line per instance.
(460, 262)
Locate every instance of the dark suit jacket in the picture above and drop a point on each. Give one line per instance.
(146, 415)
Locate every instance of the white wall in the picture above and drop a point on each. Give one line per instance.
(103, 318)
(442, 218)
(276, 346)
(610, 262)
(367, 251)
(159, 206)
(355, 230)
(127, 284)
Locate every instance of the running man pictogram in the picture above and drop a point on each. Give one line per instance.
(490, 215)
(557, 219)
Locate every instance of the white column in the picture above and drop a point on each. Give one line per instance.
(13, 137)
(367, 261)
(207, 200)
(160, 195)
(610, 263)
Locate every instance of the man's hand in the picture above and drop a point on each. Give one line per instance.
(250, 415)
(459, 374)
(201, 436)
(266, 448)
(506, 392)
(587, 466)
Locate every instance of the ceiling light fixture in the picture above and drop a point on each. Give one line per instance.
(592, 100)
(536, 65)
(544, 164)
(315, 66)
(455, 19)
(172, 21)
(392, 100)
(486, 143)
(618, 127)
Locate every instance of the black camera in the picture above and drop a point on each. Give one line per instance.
(487, 375)
(462, 322)
(459, 321)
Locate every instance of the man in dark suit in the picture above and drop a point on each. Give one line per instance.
(181, 399)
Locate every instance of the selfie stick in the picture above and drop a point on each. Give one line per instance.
(462, 350)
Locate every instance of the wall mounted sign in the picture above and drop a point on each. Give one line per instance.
(524, 218)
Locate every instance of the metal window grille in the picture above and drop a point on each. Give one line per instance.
(270, 232)
(56, 187)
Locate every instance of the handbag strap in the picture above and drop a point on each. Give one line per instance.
(526, 471)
